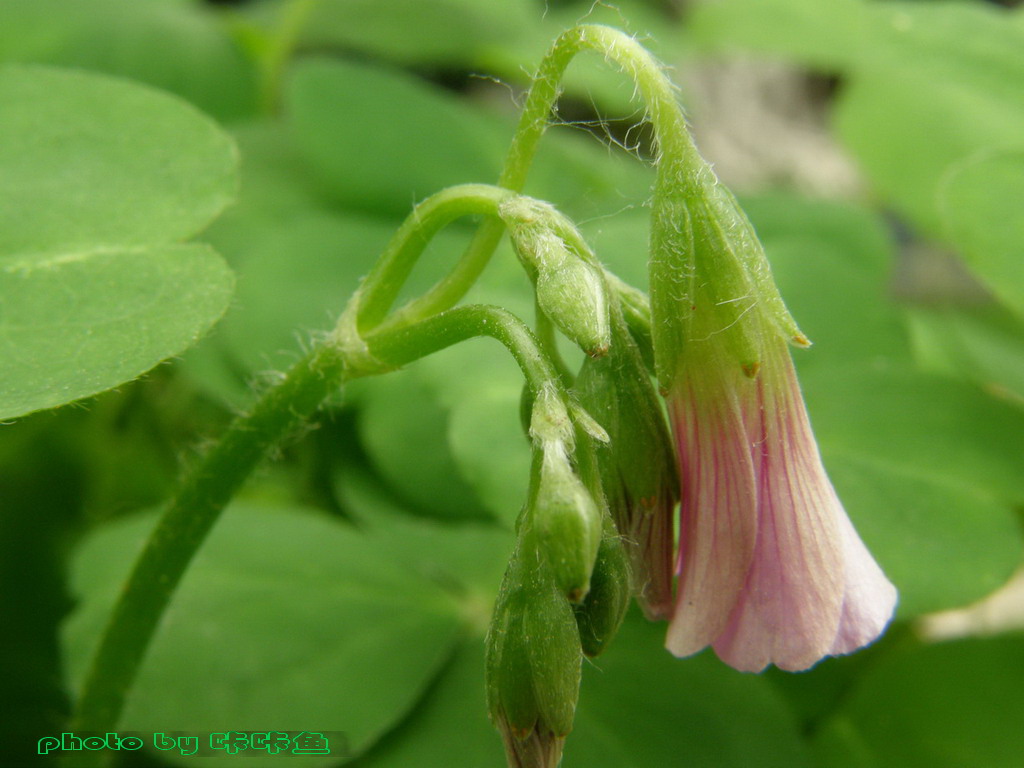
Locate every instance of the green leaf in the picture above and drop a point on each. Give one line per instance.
(980, 344)
(434, 32)
(489, 447)
(82, 324)
(950, 705)
(940, 83)
(981, 206)
(450, 726)
(178, 46)
(832, 263)
(97, 178)
(466, 557)
(641, 707)
(638, 707)
(907, 131)
(445, 432)
(902, 415)
(352, 124)
(925, 84)
(404, 429)
(929, 472)
(278, 220)
(274, 186)
(293, 282)
(821, 33)
(920, 34)
(88, 161)
(294, 278)
(479, 386)
(285, 620)
(620, 243)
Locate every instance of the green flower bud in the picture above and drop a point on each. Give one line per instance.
(568, 523)
(600, 614)
(533, 662)
(573, 295)
(570, 291)
(637, 466)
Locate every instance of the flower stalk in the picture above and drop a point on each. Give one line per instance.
(181, 531)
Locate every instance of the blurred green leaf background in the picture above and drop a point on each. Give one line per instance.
(877, 146)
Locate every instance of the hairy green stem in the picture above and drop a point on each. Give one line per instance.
(447, 291)
(678, 159)
(398, 347)
(183, 528)
(380, 288)
(208, 488)
(656, 91)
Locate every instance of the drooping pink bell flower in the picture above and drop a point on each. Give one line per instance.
(771, 571)
(770, 568)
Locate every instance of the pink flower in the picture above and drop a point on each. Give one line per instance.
(771, 570)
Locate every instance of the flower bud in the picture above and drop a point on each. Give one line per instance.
(637, 465)
(568, 523)
(532, 663)
(600, 614)
(570, 291)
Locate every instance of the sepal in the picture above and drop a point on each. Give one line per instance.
(533, 661)
(568, 523)
(600, 614)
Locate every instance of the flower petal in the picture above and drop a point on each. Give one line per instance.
(650, 543)
(718, 516)
(870, 597)
(790, 610)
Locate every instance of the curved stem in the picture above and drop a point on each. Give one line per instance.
(447, 291)
(678, 158)
(401, 346)
(183, 528)
(381, 286)
(656, 90)
(207, 489)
